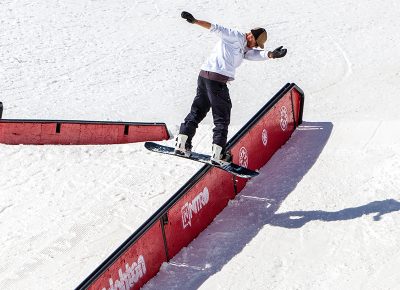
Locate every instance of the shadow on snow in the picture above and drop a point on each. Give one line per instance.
(255, 207)
(297, 219)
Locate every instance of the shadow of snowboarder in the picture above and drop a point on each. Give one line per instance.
(297, 219)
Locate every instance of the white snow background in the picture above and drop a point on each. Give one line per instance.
(324, 212)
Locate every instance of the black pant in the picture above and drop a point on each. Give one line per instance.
(214, 95)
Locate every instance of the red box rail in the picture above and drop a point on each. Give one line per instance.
(41, 132)
(198, 202)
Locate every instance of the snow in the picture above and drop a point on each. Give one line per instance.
(321, 215)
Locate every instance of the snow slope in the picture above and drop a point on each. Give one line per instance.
(321, 215)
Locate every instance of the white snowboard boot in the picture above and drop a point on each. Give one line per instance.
(216, 157)
(180, 145)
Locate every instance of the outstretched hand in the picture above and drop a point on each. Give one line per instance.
(278, 52)
(189, 17)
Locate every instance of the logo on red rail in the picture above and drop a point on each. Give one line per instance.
(284, 118)
(194, 207)
(264, 137)
(243, 157)
(129, 277)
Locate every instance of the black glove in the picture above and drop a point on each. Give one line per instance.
(189, 17)
(278, 52)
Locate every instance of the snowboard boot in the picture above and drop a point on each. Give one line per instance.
(219, 157)
(181, 146)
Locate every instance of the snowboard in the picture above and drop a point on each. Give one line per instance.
(230, 167)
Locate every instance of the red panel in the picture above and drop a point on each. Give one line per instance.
(139, 133)
(137, 265)
(110, 133)
(198, 208)
(70, 134)
(296, 97)
(2, 126)
(255, 148)
(37, 133)
(21, 133)
(49, 135)
(91, 134)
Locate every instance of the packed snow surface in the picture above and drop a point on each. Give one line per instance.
(322, 213)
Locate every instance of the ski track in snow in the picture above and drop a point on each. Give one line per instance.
(344, 75)
(321, 215)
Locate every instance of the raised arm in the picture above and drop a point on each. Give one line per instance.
(189, 18)
(256, 54)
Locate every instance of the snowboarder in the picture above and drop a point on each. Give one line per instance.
(212, 91)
